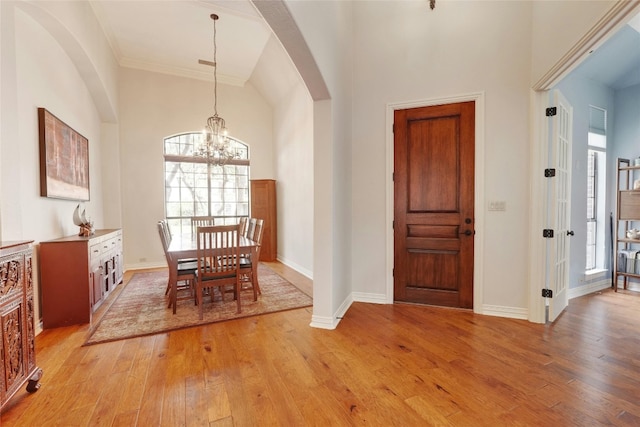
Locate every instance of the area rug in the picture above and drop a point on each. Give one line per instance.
(141, 308)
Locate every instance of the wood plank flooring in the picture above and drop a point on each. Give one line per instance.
(384, 365)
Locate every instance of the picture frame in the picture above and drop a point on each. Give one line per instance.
(64, 159)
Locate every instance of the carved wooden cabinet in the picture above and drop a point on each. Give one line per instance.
(77, 273)
(263, 205)
(17, 323)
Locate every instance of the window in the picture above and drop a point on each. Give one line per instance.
(596, 161)
(592, 217)
(195, 187)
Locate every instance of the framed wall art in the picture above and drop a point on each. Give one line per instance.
(64, 159)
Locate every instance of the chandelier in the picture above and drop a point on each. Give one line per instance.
(216, 145)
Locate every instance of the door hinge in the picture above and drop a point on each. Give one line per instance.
(547, 233)
(547, 293)
(551, 111)
(393, 128)
(393, 224)
(393, 176)
(548, 173)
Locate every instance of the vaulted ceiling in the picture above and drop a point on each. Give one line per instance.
(170, 36)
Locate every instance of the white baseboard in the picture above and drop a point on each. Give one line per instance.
(39, 328)
(502, 311)
(589, 288)
(305, 272)
(489, 310)
(370, 298)
(143, 265)
(324, 322)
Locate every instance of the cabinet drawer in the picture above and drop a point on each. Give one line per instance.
(95, 253)
(629, 208)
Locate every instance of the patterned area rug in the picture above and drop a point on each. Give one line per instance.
(141, 308)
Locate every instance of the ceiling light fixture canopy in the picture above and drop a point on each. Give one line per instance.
(216, 145)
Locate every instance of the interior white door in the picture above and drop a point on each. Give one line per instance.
(560, 205)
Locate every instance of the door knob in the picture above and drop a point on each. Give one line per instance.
(467, 232)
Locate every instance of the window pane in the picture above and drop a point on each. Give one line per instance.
(173, 209)
(597, 141)
(243, 209)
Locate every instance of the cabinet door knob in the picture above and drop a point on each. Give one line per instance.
(570, 233)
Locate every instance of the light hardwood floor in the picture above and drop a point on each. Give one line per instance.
(384, 365)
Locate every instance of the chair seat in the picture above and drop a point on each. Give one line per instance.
(187, 268)
(205, 278)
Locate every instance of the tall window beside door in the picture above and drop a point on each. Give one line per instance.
(196, 187)
(596, 173)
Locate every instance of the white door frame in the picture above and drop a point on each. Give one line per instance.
(619, 14)
(479, 198)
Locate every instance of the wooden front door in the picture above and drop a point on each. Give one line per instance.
(434, 204)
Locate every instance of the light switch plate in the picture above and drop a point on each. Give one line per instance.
(498, 205)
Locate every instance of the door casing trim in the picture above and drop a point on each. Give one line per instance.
(479, 196)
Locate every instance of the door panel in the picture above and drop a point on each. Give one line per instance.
(560, 188)
(433, 207)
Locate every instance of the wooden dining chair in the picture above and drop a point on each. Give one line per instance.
(217, 252)
(251, 227)
(166, 235)
(165, 230)
(168, 238)
(246, 262)
(242, 225)
(201, 221)
(186, 272)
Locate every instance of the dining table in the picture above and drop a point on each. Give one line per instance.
(186, 247)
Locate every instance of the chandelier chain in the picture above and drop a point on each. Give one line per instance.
(216, 145)
(215, 69)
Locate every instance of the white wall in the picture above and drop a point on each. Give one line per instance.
(39, 70)
(557, 27)
(327, 30)
(626, 124)
(282, 86)
(626, 127)
(406, 52)
(154, 106)
(60, 90)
